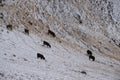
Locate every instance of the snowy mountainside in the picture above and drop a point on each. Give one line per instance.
(79, 21)
(18, 60)
(79, 25)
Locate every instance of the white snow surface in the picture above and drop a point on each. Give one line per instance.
(79, 25)
(18, 60)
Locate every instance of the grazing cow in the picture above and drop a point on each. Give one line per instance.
(9, 27)
(47, 44)
(1, 15)
(89, 52)
(83, 72)
(51, 33)
(92, 57)
(40, 56)
(26, 31)
(30, 22)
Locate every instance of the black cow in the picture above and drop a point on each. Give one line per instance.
(92, 57)
(26, 31)
(1, 15)
(40, 56)
(89, 52)
(47, 44)
(9, 27)
(51, 33)
(30, 22)
(83, 72)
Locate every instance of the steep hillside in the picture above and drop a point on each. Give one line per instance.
(18, 60)
(78, 25)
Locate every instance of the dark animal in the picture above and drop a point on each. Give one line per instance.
(9, 27)
(26, 31)
(51, 33)
(78, 17)
(40, 56)
(83, 72)
(30, 22)
(0, 1)
(1, 15)
(92, 57)
(89, 52)
(47, 44)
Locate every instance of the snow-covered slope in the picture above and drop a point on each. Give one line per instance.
(18, 60)
(79, 25)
